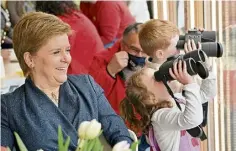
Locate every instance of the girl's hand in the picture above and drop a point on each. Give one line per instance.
(179, 73)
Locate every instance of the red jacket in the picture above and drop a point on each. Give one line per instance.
(114, 88)
(110, 18)
(84, 41)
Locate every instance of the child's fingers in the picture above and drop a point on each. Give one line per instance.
(193, 45)
(172, 74)
(186, 48)
(199, 46)
(184, 67)
(189, 46)
(180, 68)
(175, 69)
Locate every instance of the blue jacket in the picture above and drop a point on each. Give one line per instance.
(30, 113)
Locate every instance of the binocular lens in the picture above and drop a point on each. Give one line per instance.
(197, 55)
(191, 66)
(202, 70)
(201, 56)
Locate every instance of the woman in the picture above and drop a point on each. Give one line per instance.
(85, 40)
(49, 97)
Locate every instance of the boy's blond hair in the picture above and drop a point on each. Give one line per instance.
(156, 34)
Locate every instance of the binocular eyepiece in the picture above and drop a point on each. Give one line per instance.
(194, 61)
(207, 40)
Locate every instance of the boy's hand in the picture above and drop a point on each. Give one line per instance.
(179, 72)
(190, 46)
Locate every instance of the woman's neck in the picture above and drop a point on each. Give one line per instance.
(51, 92)
(45, 85)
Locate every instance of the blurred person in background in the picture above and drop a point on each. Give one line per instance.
(111, 69)
(110, 18)
(6, 32)
(139, 10)
(85, 40)
(19, 8)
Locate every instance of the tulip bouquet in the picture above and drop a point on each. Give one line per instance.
(88, 132)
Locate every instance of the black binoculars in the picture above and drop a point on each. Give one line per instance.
(194, 61)
(207, 40)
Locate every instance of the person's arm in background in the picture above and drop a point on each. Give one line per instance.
(104, 72)
(12, 7)
(109, 21)
(113, 126)
(99, 72)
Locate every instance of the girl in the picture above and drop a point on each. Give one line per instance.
(154, 106)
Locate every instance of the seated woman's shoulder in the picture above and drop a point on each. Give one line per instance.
(14, 95)
(81, 79)
(14, 90)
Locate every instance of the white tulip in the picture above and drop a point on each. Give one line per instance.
(89, 130)
(82, 129)
(93, 129)
(122, 146)
(81, 143)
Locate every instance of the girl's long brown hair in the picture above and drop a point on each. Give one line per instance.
(133, 110)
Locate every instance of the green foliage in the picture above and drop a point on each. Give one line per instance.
(20, 142)
(61, 145)
(84, 144)
(134, 145)
(90, 145)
